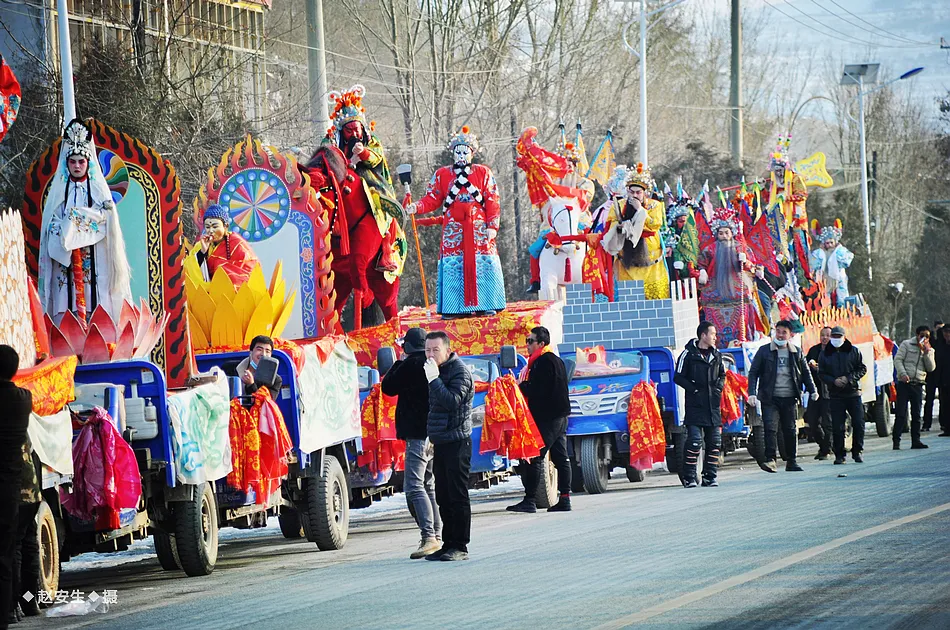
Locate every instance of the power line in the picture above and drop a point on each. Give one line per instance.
(895, 35)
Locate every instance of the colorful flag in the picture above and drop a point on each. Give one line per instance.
(583, 165)
(603, 164)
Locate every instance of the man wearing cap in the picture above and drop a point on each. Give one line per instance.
(407, 380)
(841, 367)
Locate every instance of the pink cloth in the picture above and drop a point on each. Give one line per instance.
(106, 476)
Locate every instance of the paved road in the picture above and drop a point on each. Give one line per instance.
(805, 550)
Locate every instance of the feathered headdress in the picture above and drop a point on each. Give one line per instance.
(724, 216)
(347, 106)
(464, 137)
(77, 140)
(828, 233)
(640, 176)
(616, 186)
(781, 155)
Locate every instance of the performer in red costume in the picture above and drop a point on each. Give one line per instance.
(219, 247)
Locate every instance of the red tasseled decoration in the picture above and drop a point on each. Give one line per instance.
(567, 270)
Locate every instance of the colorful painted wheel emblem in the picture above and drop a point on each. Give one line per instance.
(116, 173)
(258, 202)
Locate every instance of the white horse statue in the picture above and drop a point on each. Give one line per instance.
(562, 262)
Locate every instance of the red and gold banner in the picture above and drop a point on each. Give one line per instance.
(259, 446)
(51, 383)
(647, 435)
(381, 449)
(469, 336)
(509, 428)
(736, 389)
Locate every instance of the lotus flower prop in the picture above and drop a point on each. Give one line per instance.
(101, 340)
(222, 315)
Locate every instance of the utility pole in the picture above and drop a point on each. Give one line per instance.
(317, 70)
(516, 199)
(873, 185)
(735, 87)
(66, 62)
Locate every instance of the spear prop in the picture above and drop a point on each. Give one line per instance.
(405, 177)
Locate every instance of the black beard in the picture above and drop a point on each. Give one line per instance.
(348, 146)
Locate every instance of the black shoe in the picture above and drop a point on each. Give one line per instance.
(30, 608)
(857, 458)
(452, 555)
(689, 483)
(897, 445)
(768, 466)
(793, 467)
(563, 505)
(534, 287)
(710, 483)
(840, 460)
(917, 445)
(528, 506)
(438, 554)
(926, 429)
(944, 434)
(821, 456)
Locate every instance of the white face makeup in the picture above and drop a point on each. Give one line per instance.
(462, 154)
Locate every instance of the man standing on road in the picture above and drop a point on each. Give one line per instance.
(407, 380)
(936, 339)
(943, 379)
(841, 367)
(545, 388)
(16, 405)
(450, 429)
(817, 414)
(915, 358)
(699, 371)
(776, 378)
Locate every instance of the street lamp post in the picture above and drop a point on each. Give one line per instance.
(859, 75)
(642, 56)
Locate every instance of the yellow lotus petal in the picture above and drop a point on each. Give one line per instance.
(224, 327)
(198, 338)
(200, 304)
(279, 291)
(221, 287)
(278, 272)
(261, 321)
(244, 304)
(257, 283)
(280, 322)
(193, 270)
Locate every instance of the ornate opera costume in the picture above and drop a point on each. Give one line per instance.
(470, 276)
(82, 259)
(788, 193)
(829, 263)
(231, 252)
(680, 236)
(633, 236)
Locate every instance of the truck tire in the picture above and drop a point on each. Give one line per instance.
(635, 474)
(196, 532)
(577, 477)
(594, 471)
(166, 548)
(290, 525)
(880, 412)
(47, 538)
(546, 495)
(327, 518)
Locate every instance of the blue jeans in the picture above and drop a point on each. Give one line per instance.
(419, 486)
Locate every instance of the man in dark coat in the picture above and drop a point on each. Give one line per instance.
(545, 388)
(936, 339)
(817, 415)
(841, 367)
(449, 426)
(15, 407)
(776, 378)
(407, 380)
(699, 371)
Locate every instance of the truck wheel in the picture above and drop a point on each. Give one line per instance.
(756, 443)
(48, 542)
(546, 496)
(577, 477)
(327, 521)
(290, 526)
(635, 474)
(594, 470)
(196, 532)
(166, 549)
(881, 415)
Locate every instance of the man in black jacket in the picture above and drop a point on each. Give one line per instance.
(776, 378)
(936, 339)
(841, 367)
(545, 389)
(942, 352)
(449, 427)
(15, 407)
(407, 380)
(699, 371)
(817, 415)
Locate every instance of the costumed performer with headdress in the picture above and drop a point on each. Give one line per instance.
(787, 189)
(470, 277)
(82, 259)
(220, 247)
(633, 236)
(829, 263)
(680, 237)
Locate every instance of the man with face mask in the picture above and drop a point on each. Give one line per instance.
(470, 277)
(915, 359)
(841, 367)
(261, 346)
(830, 263)
(817, 414)
(776, 378)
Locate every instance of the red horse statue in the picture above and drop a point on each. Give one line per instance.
(368, 254)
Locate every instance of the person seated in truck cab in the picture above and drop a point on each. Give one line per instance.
(261, 346)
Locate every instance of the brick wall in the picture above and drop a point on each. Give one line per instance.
(632, 321)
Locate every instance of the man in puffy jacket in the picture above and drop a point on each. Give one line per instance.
(915, 358)
(776, 379)
(841, 367)
(817, 415)
(699, 371)
(407, 380)
(449, 426)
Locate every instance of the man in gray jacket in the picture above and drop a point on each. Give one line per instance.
(915, 358)
(450, 430)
